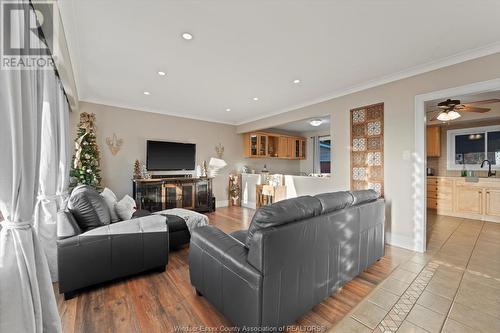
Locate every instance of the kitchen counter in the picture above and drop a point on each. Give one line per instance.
(464, 179)
(295, 186)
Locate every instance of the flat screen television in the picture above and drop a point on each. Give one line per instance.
(170, 156)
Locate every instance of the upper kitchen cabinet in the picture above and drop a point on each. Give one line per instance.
(285, 147)
(433, 141)
(298, 148)
(273, 146)
(256, 145)
(264, 145)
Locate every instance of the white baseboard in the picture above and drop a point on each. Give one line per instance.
(401, 241)
(221, 203)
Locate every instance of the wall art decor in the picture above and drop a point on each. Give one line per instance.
(219, 150)
(114, 144)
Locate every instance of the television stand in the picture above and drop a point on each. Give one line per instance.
(178, 192)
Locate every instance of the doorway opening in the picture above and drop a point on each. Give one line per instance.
(455, 133)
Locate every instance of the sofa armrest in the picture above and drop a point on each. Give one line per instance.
(219, 269)
(146, 224)
(112, 251)
(227, 250)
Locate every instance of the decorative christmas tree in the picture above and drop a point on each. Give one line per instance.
(85, 169)
(137, 170)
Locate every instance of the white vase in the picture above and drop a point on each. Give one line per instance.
(199, 172)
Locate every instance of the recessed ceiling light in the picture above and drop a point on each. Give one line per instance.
(187, 36)
(147, 93)
(296, 81)
(162, 73)
(255, 98)
(228, 109)
(316, 122)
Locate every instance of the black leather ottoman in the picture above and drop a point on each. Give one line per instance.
(178, 232)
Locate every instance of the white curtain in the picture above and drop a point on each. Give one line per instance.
(27, 301)
(54, 167)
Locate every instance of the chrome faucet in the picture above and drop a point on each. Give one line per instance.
(490, 173)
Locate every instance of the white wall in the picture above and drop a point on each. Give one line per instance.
(135, 127)
(399, 137)
(274, 165)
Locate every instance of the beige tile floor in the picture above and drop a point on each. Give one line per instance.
(453, 287)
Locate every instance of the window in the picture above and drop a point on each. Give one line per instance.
(324, 154)
(470, 146)
(321, 148)
(494, 147)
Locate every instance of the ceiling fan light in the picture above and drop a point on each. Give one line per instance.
(454, 115)
(443, 116)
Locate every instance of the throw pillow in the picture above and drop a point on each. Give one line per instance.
(88, 207)
(125, 208)
(111, 201)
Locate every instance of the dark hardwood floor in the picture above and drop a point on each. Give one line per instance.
(160, 302)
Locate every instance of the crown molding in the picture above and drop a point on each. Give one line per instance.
(404, 74)
(145, 109)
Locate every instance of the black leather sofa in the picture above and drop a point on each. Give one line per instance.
(295, 253)
(108, 251)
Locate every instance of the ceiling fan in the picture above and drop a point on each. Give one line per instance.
(449, 110)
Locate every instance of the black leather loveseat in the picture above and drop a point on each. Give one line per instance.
(105, 252)
(295, 253)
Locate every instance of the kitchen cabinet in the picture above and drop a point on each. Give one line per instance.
(285, 145)
(298, 148)
(273, 145)
(262, 145)
(469, 199)
(439, 194)
(492, 201)
(303, 148)
(251, 143)
(454, 196)
(433, 141)
(255, 145)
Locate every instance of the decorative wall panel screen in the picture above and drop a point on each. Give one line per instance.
(367, 148)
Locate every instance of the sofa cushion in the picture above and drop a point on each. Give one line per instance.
(335, 201)
(283, 212)
(88, 208)
(240, 235)
(111, 201)
(125, 208)
(363, 196)
(66, 225)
